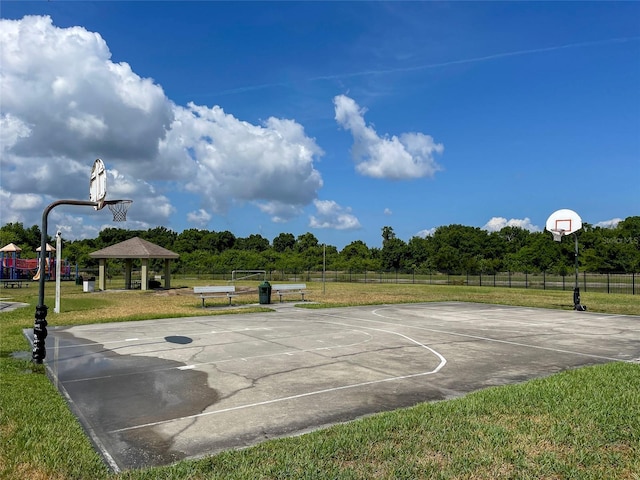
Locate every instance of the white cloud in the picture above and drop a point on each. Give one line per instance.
(199, 217)
(279, 212)
(496, 224)
(65, 102)
(613, 223)
(426, 233)
(62, 84)
(331, 215)
(25, 201)
(387, 211)
(235, 161)
(12, 129)
(410, 155)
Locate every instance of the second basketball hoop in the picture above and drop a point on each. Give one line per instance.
(563, 222)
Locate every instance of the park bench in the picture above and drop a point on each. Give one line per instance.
(289, 288)
(13, 283)
(216, 291)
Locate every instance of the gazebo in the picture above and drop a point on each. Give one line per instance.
(135, 247)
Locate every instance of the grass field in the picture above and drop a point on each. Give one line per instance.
(581, 423)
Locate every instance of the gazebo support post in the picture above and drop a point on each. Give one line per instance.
(102, 274)
(167, 274)
(128, 266)
(144, 274)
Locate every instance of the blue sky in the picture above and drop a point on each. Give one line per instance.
(335, 118)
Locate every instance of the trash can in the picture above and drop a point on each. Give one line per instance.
(79, 280)
(89, 285)
(264, 292)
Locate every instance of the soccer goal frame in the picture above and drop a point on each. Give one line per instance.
(247, 274)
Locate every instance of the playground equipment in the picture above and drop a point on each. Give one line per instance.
(12, 267)
(36, 277)
(9, 256)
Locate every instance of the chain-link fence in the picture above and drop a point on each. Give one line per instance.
(624, 283)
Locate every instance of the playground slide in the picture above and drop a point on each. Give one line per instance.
(37, 275)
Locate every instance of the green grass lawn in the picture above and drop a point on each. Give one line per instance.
(582, 423)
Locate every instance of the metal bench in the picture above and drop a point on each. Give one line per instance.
(289, 288)
(216, 291)
(13, 283)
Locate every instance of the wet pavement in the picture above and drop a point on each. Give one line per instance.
(157, 391)
(7, 306)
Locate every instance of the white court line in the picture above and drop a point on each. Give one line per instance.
(487, 339)
(226, 360)
(274, 400)
(440, 365)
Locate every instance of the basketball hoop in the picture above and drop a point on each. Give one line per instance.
(119, 209)
(557, 235)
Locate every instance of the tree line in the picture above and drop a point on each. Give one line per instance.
(452, 249)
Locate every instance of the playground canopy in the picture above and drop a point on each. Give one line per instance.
(10, 247)
(49, 248)
(135, 247)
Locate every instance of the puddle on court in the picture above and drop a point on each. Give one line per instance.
(112, 392)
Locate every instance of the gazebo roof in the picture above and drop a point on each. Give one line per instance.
(135, 247)
(11, 247)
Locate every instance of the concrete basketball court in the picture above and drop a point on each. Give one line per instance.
(157, 391)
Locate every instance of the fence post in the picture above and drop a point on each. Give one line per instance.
(608, 290)
(544, 279)
(509, 278)
(480, 278)
(526, 279)
(584, 281)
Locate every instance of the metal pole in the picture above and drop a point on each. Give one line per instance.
(39, 352)
(56, 308)
(324, 267)
(576, 257)
(576, 289)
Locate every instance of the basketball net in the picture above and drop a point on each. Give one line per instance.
(557, 235)
(119, 209)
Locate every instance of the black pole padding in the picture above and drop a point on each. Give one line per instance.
(39, 334)
(576, 301)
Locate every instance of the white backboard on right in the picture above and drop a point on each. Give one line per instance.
(564, 220)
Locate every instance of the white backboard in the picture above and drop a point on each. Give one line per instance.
(98, 183)
(564, 220)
